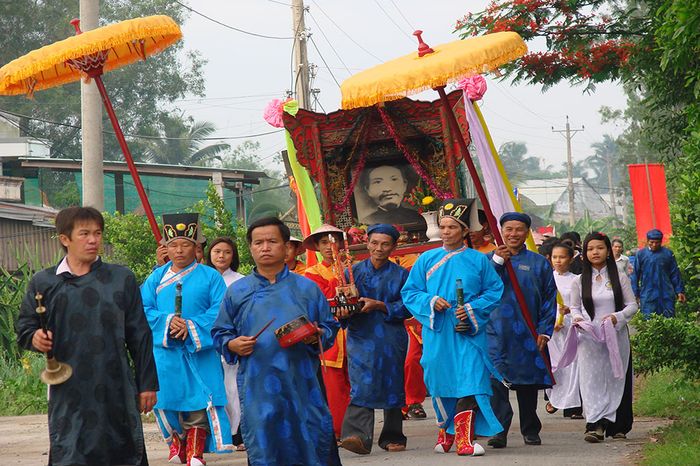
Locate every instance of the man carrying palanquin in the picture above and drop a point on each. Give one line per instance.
(191, 406)
(513, 350)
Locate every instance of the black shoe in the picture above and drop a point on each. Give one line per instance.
(498, 441)
(533, 439)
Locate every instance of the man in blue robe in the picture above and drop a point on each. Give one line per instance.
(512, 347)
(191, 404)
(661, 284)
(456, 363)
(285, 419)
(377, 342)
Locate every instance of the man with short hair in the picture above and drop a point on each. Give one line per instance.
(657, 281)
(285, 419)
(191, 408)
(513, 350)
(376, 345)
(448, 286)
(95, 317)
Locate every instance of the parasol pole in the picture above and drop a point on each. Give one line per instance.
(127, 155)
(95, 72)
(457, 134)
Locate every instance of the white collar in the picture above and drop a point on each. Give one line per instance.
(63, 267)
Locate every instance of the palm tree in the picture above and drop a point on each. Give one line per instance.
(181, 142)
(517, 164)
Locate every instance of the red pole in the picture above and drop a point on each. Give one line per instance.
(457, 134)
(127, 156)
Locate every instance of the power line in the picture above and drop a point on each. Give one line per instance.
(145, 136)
(402, 15)
(392, 20)
(345, 33)
(313, 42)
(228, 26)
(329, 43)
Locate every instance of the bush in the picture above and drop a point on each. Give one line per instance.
(131, 243)
(21, 390)
(12, 289)
(667, 343)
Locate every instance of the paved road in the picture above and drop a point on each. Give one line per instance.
(23, 442)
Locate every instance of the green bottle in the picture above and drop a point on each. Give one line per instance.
(461, 326)
(178, 299)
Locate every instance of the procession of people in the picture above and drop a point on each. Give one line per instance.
(272, 364)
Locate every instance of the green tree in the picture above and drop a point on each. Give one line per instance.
(519, 166)
(181, 142)
(272, 197)
(140, 92)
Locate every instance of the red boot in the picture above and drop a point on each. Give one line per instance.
(196, 441)
(464, 435)
(178, 454)
(444, 442)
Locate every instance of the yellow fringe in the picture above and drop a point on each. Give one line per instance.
(361, 90)
(158, 31)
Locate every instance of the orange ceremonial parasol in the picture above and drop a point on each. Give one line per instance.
(88, 55)
(434, 68)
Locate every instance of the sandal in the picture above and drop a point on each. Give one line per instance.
(550, 408)
(394, 447)
(240, 447)
(577, 416)
(416, 411)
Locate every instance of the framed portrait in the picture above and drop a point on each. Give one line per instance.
(381, 195)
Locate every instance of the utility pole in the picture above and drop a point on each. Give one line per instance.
(91, 122)
(300, 69)
(608, 162)
(568, 134)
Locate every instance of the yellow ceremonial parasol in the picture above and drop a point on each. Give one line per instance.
(435, 68)
(88, 55)
(430, 68)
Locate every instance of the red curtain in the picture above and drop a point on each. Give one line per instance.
(648, 183)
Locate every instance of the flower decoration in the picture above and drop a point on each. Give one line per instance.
(273, 113)
(474, 87)
(423, 200)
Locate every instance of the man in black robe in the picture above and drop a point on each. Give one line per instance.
(94, 316)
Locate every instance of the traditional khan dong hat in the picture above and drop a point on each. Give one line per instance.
(463, 210)
(181, 226)
(310, 241)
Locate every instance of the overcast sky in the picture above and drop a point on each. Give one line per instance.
(245, 72)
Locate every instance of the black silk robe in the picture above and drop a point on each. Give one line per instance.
(96, 320)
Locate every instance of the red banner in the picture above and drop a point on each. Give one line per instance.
(648, 184)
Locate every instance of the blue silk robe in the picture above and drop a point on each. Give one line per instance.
(285, 419)
(455, 365)
(377, 342)
(660, 281)
(512, 348)
(190, 372)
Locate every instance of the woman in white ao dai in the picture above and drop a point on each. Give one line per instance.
(604, 294)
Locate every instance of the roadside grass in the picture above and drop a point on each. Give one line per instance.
(665, 394)
(21, 390)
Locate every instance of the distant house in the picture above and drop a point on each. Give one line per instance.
(27, 234)
(552, 196)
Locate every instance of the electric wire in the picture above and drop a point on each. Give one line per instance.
(330, 43)
(145, 136)
(392, 20)
(313, 42)
(345, 33)
(255, 34)
(402, 15)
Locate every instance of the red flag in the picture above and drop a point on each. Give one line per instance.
(648, 184)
